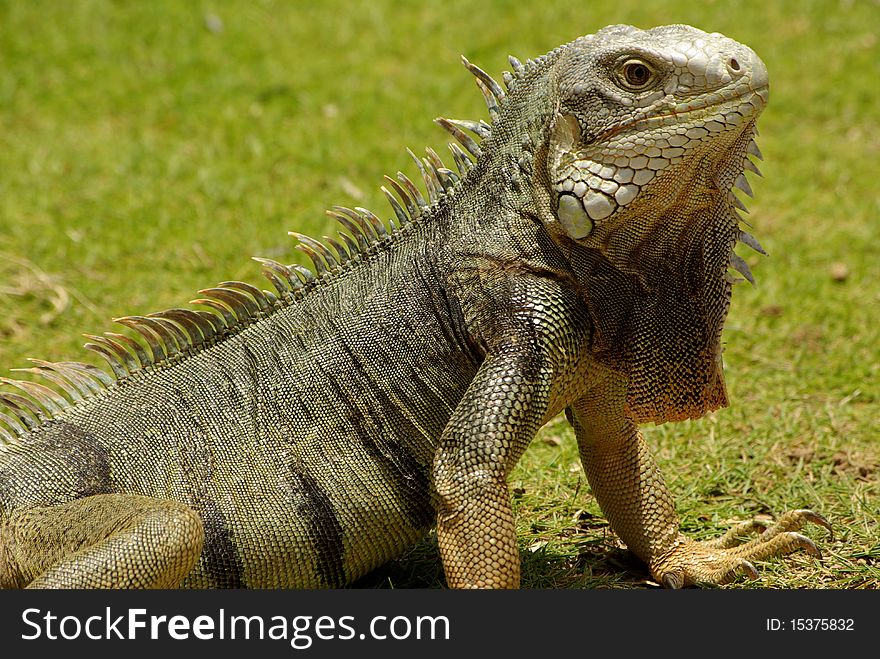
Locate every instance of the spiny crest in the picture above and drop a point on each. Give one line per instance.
(736, 261)
(73, 381)
(167, 337)
(493, 95)
(362, 230)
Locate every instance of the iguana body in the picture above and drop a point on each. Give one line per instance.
(305, 438)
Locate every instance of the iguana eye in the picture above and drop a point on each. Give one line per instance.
(635, 75)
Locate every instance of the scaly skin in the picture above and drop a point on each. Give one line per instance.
(301, 440)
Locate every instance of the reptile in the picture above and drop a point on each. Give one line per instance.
(577, 259)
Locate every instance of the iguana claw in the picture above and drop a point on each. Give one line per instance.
(719, 561)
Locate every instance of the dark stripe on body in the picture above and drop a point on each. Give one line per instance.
(323, 528)
(450, 317)
(62, 462)
(92, 473)
(397, 464)
(411, 478)
(220, 559)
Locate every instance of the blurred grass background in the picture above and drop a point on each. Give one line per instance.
(150, 149)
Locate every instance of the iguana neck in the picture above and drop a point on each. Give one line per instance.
(513, 164)
(658, 293)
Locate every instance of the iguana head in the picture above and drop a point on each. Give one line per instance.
(634, 105)
(650, 131)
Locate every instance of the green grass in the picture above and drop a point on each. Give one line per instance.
(144, 156)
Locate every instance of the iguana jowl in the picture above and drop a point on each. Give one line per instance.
(577, 261)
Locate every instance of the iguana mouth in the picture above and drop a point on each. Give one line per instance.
(594, 185)
(751, 103)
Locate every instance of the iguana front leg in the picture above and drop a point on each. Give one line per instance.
(488, 432)
(101, 541)
(631, 491)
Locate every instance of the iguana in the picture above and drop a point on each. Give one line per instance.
(576, 260)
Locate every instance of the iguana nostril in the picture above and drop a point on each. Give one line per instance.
(733, 65)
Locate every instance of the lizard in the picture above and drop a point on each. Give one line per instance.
(576, 260)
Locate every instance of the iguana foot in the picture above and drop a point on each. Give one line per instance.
(719, 561)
